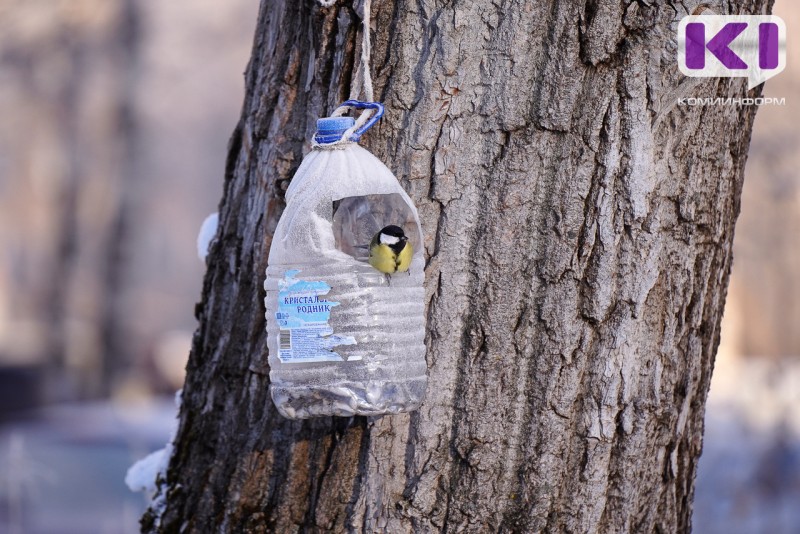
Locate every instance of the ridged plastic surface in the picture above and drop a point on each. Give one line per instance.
(385, 370)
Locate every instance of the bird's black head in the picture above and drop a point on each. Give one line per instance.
(394, 231)
(393, 237)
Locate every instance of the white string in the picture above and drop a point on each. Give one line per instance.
(366, 53)
(362, 80)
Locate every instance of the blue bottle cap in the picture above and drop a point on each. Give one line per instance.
(330, 129)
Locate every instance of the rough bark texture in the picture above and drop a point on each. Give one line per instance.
(578, 227)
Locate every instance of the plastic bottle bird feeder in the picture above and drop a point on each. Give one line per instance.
(344, 337)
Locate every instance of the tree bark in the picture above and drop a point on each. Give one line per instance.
(578, 227)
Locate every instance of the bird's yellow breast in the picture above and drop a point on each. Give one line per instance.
(404, 258)
(383, 258)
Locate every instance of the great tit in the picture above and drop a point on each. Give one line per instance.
(390, 251)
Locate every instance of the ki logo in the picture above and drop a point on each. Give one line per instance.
(748, 46)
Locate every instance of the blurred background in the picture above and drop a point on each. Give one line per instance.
(114, 121)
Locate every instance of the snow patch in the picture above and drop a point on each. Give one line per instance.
(146, 474)
(142, 475)
(207, 232)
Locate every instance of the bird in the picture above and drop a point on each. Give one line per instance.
(390, 251)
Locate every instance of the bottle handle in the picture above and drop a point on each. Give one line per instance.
(358, 104)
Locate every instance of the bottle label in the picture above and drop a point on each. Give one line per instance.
(303, 314)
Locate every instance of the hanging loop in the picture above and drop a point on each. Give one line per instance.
(334, 133)
(374, 113)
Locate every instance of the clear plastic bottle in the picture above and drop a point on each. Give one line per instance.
(343, 338)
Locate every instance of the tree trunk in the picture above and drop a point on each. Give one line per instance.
(578, 228)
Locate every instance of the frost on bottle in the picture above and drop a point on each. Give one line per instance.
(344, 338)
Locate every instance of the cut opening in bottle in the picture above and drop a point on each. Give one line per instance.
(357, 219)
